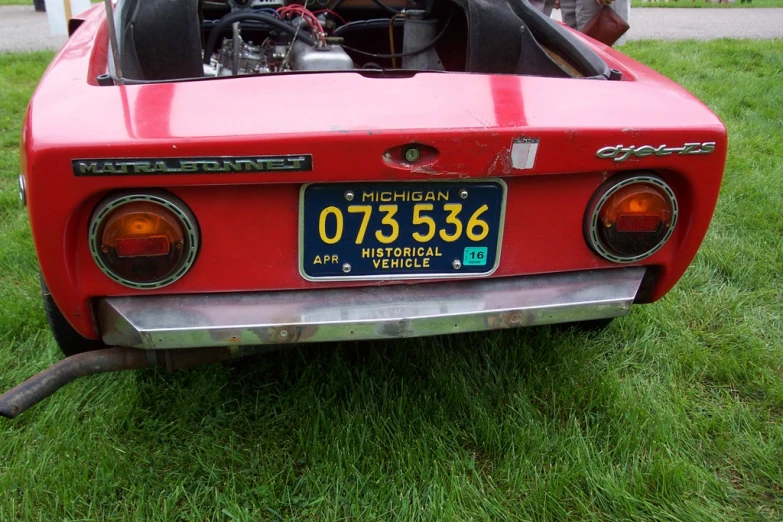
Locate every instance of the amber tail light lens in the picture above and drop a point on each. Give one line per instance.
(630, 218)
(143, 240)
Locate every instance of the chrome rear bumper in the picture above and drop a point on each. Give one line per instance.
(381, 312)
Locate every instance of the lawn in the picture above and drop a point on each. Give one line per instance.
(673, 413)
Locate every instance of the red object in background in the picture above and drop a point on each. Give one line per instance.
(606, 26)
(249, 221)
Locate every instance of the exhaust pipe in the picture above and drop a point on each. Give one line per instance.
(40, 386)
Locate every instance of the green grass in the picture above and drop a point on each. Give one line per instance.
(673, 413)
(702, 3)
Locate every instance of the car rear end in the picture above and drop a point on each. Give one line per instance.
(331, 206)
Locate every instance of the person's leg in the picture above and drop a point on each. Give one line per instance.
(545, 6)
(538, 4)
(568, 12)
(585, 11)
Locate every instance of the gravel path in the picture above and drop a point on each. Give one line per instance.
(22, 29)
(649, 23)
(705, 24)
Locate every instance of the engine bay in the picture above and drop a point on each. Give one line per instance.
(316, 37)
(161, 40)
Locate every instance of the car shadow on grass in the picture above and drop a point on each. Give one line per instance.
(435, 381)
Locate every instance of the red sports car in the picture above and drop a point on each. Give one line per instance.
(207, 177)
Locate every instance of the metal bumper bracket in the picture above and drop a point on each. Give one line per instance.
(363, 313)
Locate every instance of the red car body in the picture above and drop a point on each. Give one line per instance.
(249, 222)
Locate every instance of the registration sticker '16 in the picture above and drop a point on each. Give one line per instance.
(475, 256)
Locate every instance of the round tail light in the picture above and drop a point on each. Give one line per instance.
(143, 240)
(630, 218)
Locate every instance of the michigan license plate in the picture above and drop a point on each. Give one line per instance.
(400, 230)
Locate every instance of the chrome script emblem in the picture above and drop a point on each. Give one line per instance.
(622, 153)
(218, 165)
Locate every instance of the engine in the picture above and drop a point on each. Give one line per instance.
(165, 40)
(237, 57)
(273, 36)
